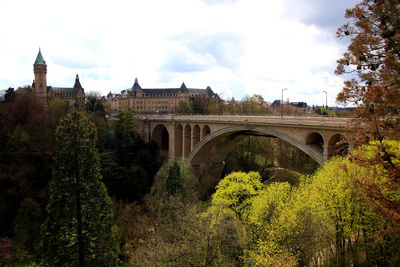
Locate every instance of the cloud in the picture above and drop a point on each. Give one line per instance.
(327, 14)
(225, 47)
(237, 47)
(180, 59)
(75, 63)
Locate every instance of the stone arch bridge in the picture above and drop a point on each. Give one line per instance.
(204, 141)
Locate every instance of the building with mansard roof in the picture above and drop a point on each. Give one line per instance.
(73, 95)
(158, 100)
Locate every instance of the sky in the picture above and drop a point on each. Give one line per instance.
(237, 47)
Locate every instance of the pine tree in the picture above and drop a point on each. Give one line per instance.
(173, 184)
(79, 230)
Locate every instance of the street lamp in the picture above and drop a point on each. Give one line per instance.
(282, 103)
(326, 100)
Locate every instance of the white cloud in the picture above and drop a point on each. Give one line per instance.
(236, 47)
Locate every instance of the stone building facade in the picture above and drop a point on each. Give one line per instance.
(165, 100)
(75, 95)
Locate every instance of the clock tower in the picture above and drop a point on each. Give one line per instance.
(40, 83)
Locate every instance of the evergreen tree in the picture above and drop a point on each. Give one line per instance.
(79, 230)
(173, 184)
(9, 95)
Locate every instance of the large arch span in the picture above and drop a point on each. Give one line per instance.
(208, 157)
(202, 145)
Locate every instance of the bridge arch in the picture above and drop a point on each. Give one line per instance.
(315, 141)
(206, 131)
(196, 135)
(160, 135)
(338, 144)
(208, 156)
(237, 130)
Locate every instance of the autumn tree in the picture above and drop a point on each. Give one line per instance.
(79, 230)
(26, 119)
(374, 56)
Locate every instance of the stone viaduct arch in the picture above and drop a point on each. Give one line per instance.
(205, 141)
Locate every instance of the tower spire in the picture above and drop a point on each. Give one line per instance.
(39, 59)
(77, 83)
(136, 85)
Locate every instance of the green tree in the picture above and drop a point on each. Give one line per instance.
(79, 230)
(27, 228)
(9, 96)
(236, 191)
(326, 219)
(57, 110)
(128, 164)
(125, 137)
(173, 184)
(94, 104)
(184, 107)
(200, 104)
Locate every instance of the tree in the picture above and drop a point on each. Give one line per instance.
(57, 110)
(374, 55)
(125, 136)
(9, 96)
(382, 185)
(94, 104)
(128, 164)
(236, 191)
(27, 119)
(184, 107)
(79, 230)
(173, 184)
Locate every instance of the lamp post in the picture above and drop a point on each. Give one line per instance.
(326, 100)
(282, 103)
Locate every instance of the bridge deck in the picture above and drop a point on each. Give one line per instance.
(265, 120)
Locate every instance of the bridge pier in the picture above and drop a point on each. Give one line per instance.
(207, 180)
(186, 142)
(325, 153)
(172, 145)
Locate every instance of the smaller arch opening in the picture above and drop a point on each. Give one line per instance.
(161, 137)
(206, 131)
(338, 145)
(316, 142)
(196, 135)
(187, 140)
(178, 141)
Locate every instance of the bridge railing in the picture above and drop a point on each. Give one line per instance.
(313, 115)
(248, 119)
